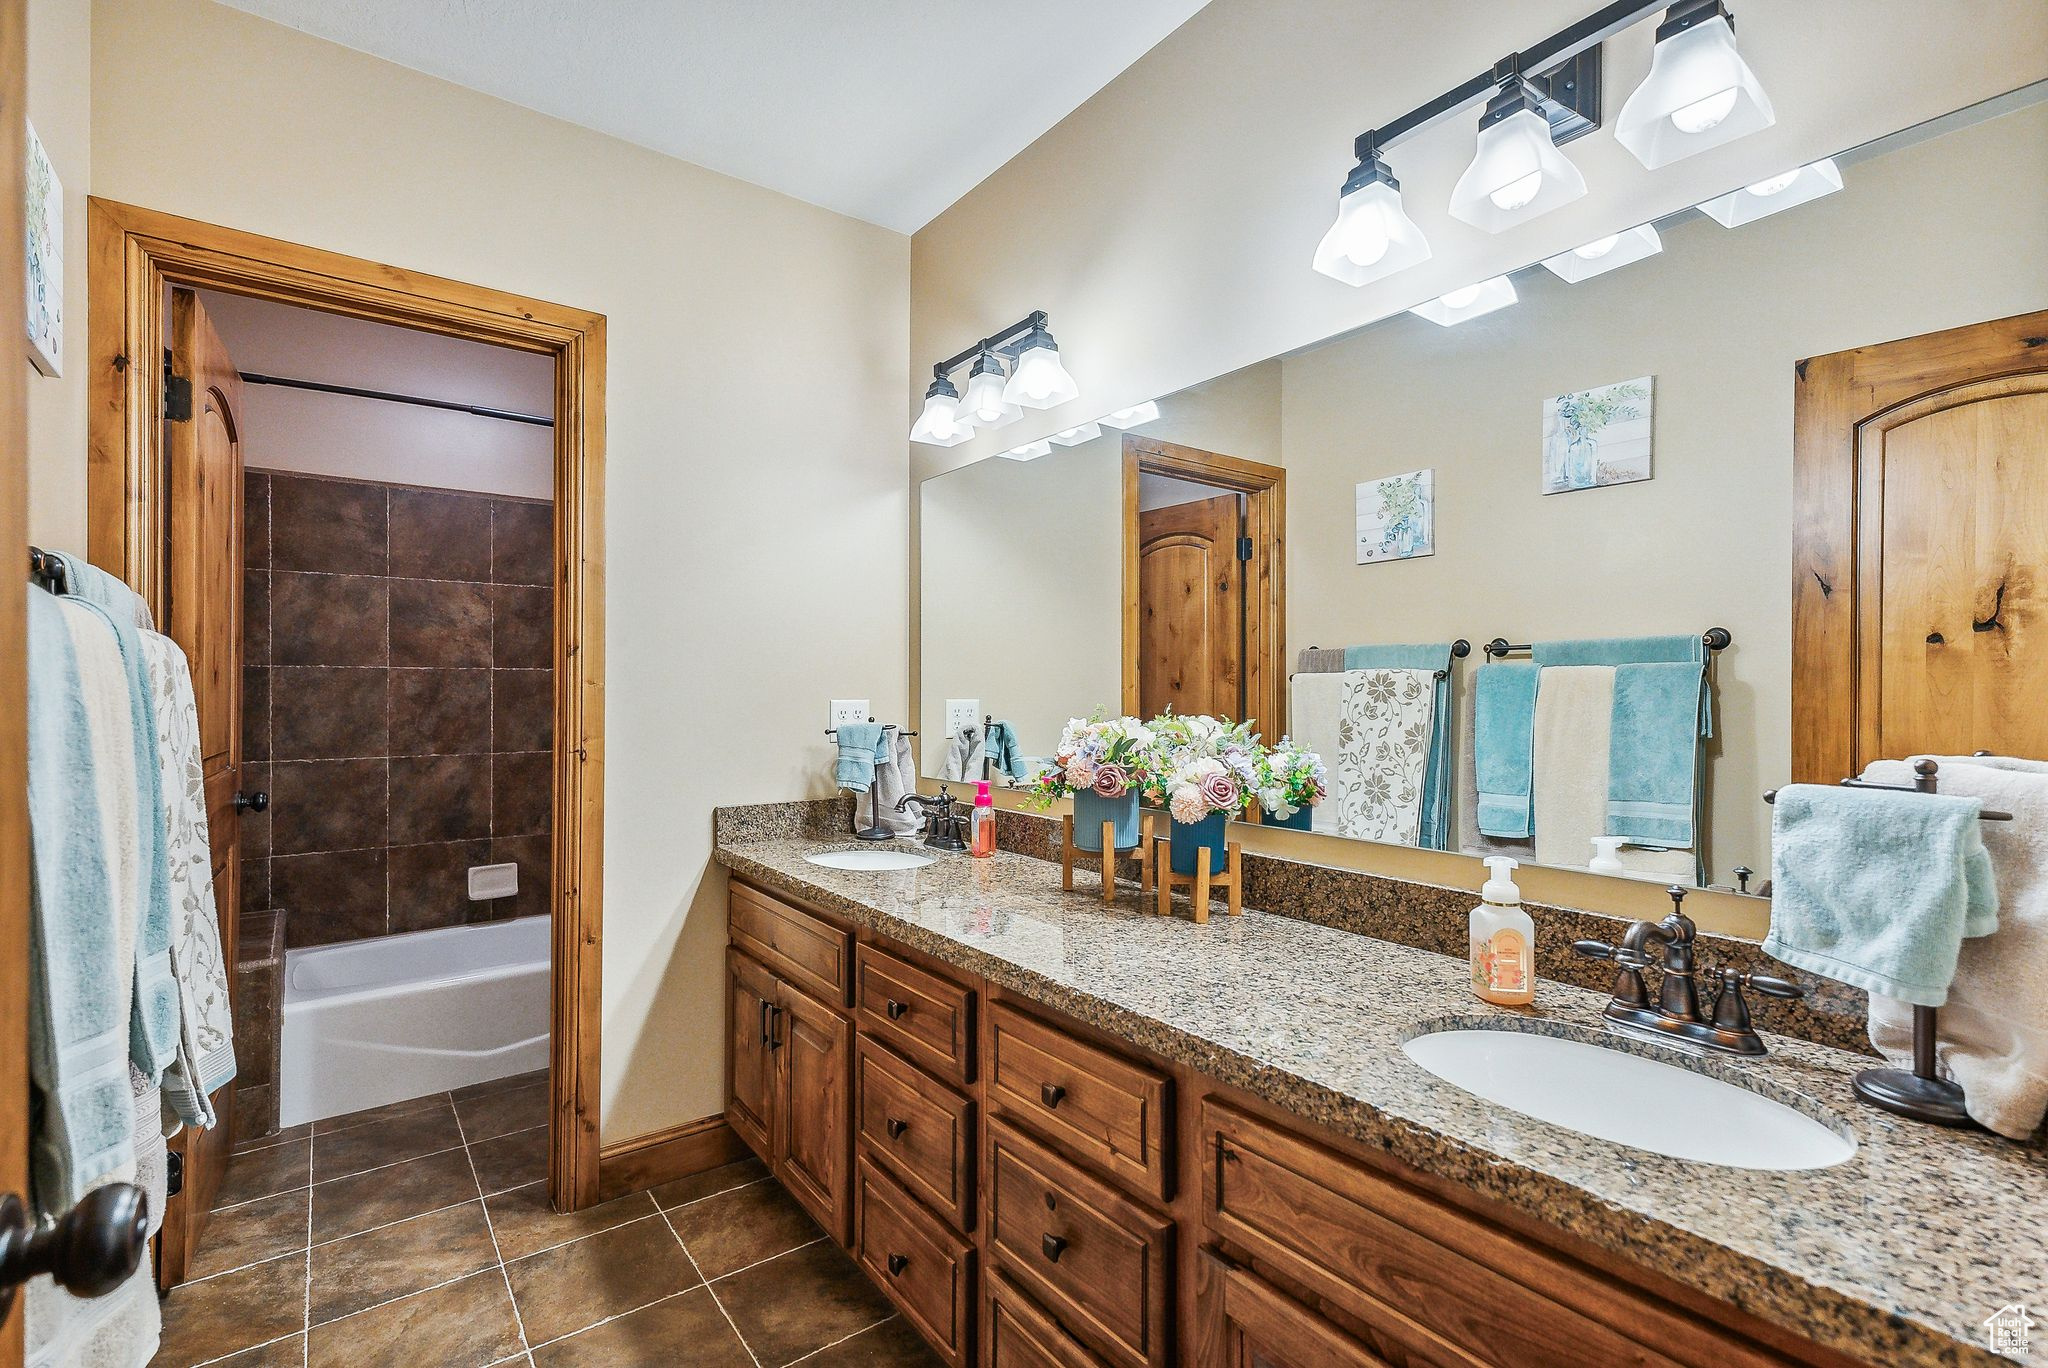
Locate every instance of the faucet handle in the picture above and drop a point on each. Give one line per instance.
(1731, 1013)
(1629, 988)
(1773, 987)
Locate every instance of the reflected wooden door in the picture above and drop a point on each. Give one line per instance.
(1191, 609)
(1921, 608)
(203, 614)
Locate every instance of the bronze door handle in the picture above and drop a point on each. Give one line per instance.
(897, 1127)
(1052, 1246)
(896, 1009)
(93, 1249)
(1051, 1093)
(897, 1263)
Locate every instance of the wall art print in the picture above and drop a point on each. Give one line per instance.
(1599, 436)
(1397, 517)
(45, 211)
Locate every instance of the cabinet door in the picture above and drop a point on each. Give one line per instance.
(813, 1047)
(1252, 1326)
(750, 1058)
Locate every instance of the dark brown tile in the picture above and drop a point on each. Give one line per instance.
(522, 626)
(255, 617)
(255, 713)
(429, 884)
(502, 1084)
(522, 710)
(384, 1143)
(329, 619)
(511, 1161)
(347, 1206)
(743, 1226)
(321, 712)
(337, 527)
(531, 854)
(522, 793)
(440, 798)
(892, 1344)
(522, 542)
(501, 1113)
(800, 1302)
(289, 1352)
(263, 1173)
(565, 1289)
(440, 712)
(525, 1224)
(396, 1260)
(465, 1324)
(255, 520)
(405, 1107)
(244, 1144)
(255, 1025)
(254, 827)
(255, 1110)
(235, 1311)
(320, 805)
(330, 898)
(251, 1233)
(683, 1329)
(711, 1182)
(440, 623)
(439, 535)
(255, 883)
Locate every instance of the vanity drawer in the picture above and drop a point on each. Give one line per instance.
(927, 1270)
(809, 951)
(1017, 1334)
(1435, 1278)
(917, 1129)
(1097, 1260)
(928, 1018)
(1098, 1106)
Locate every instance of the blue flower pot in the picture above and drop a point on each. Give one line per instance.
(1302, 820)
(1091, 810)
(1190, 839)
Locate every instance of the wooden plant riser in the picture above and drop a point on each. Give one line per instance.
(1200, 882)
(1110, 855)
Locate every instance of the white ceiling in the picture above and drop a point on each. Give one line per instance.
(886, 110)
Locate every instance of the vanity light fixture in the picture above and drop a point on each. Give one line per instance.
(1469, 301)
(1030, 451)
(1079, 433)
(1373, 235)
(941, 423)
(1699, 93)
(1774, 194)
(984, 404)
(1040, 381)
(1605, 254)
(1517, 172)
(1036, 380)
(1134, 416)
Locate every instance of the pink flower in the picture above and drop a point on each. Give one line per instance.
(1112, 781)
(1187, 805)
(1219, 790)
(1080, 774)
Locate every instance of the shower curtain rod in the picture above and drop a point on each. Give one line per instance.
(321, 387)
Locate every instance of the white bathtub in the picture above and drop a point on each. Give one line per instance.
(377, 1021)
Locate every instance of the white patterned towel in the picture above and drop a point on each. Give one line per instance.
(1383, 736)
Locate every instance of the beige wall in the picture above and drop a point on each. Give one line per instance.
(60, 107)
(741, 557)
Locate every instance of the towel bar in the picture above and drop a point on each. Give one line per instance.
(1715, 639)
(886, 726)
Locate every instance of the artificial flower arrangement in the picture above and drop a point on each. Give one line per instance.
(1291, 780)
(1110, 757)
(1203, 766)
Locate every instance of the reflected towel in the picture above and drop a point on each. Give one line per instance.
(1386, 722)
(894, 777)
(1316, 705)
(1471, 840)
(77, 576)
(1000, 750)
(1320, 660)
(1651, 650)
(1574, 709)
(861, 748)
(1878, 889)
(1436, 784)
(1504, 722)
(965, 751)
(1993, 1039)
(1653, 763)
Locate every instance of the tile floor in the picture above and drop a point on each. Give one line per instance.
(419, 1233)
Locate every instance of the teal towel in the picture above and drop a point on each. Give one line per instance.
(1653, 753)
(1877, 889)
(1654, 650)
(1503, 745)
(78, 1011)
(1001, 750)
(80, 578)
(1436, 779)
(862, 745)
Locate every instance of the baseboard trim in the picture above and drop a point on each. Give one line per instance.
(662, 1157)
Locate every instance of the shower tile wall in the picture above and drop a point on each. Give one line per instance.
(397, 703)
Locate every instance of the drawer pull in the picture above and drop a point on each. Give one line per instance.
(1053, 1246)
(896, 1128)
(896, 1009)
(897, 1263)
(1051, 1093)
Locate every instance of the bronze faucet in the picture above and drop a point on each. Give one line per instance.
(1677, 1011)
(943, 828)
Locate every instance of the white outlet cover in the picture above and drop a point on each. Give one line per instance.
(962, 712)
(845, 710)
(493, 881)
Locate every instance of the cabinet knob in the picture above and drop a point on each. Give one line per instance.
(896, 1009)
(94, 1248)
(897, 1127)
(897, 1263)
(1051, 1093)
(1053, 1246)
(251, 802)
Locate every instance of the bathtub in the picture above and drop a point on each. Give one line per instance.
(377, 1021)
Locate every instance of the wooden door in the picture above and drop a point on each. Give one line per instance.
(1920, 620)
(813, 1125)
(1249, 1325)
(750, 1060)
(203, 614)
(1191, 609)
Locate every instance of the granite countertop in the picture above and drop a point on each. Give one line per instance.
(1896, 1256)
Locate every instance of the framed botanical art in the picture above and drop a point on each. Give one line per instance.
(1599, 436)
(1397, 517)
(45, 209)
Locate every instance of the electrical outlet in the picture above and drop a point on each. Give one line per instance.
(962, 712)
(845, 710)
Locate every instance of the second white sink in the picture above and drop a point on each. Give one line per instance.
(870, 859)
(1629, 1100)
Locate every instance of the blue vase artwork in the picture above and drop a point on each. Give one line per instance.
(1597, 437)
(1397, 517)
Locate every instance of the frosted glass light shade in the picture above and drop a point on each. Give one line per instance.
(1595, 258)
(1372, 237)
(1079, 433)
(1030, 451)
(941, 423)
(984, 405)
(1469, 301)
(1040, 381)
(1516, 174)
(1699, 94)
(1766, 197)
(1136, 414)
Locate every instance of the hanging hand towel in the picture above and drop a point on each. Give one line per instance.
(1652, 650)
(1002, 751)
(1574, 710)
(861, 747)
(965, 750)
(1994, 1027)
(1320, 660)
(1654, 753)
(894, 778)
(1878, 890)
(1384, 730)
(77, 576)
(1472, 841)
(1315, 713)
(1504, 722)
(1434, 657)
(206, 1050)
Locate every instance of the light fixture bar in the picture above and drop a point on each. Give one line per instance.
(995, 342)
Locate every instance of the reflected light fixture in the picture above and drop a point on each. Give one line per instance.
(1040, 381)
(1699, 93)
(1134, 416)
(1468, 301)
(941, 423)
(1774, 194)
(1079, 433)
(984, 404)
(1036, 379)
(1373, 235)
(1030, 451)
(1605, 254)
(1517, 172)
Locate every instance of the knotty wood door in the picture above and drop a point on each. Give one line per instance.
(1191, 609)
(1920, 618)
(813, 1127)
(203, 614)
(750, 1059)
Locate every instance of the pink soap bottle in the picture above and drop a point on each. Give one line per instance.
(981, 828)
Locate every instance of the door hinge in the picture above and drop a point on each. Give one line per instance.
(174, 1173)
(177, 394)
(1244, 548)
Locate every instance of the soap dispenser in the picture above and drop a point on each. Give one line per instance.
(981, 827)
(1503, 940)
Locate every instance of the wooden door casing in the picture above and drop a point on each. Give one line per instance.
(1191, 609)
(813, 1124)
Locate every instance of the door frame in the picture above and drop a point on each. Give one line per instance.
(1835, 398)
(1265, 584)
(14, 836)
(133, 254)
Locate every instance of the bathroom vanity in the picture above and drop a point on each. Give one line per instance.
(1062, 1134)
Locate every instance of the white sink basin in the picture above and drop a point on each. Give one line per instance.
(1629, 1100)
(870, 859)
